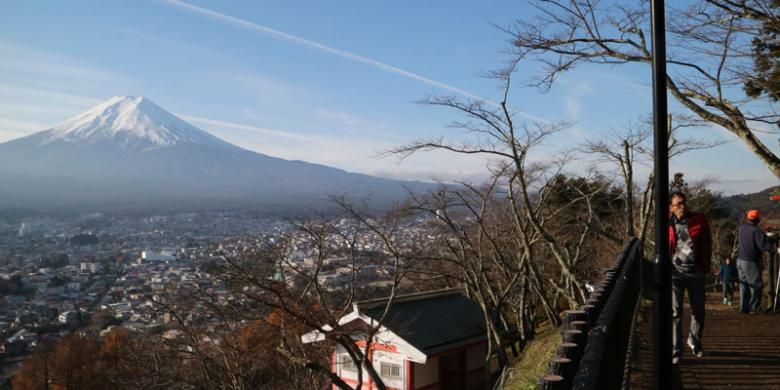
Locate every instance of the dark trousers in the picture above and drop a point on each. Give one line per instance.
(750, 285)
(728, 290)
(696, 297)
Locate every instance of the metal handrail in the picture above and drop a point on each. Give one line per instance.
(603, 361)
(595, 338)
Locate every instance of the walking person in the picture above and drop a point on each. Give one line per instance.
(728, 278)
(752, 245)
(690, 242)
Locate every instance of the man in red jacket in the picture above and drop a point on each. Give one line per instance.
(690, 243)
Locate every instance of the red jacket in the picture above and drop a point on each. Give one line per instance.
(699, 229)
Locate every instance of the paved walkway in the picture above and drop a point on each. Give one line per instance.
(741, 351)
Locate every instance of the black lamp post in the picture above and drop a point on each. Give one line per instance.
(662, 297)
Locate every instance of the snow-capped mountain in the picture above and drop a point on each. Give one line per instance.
(132, 120)
(128, 150)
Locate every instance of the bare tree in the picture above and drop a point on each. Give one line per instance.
(508, 246)
(269, 281)
(624, 150)
(709, 54)
(765, 44)
(630, 147)
(479, 248)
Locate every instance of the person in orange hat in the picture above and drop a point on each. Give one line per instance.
(752, 245)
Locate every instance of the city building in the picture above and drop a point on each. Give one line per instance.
(166, 255)
(68, 317)
(92, 268)
(427, 341)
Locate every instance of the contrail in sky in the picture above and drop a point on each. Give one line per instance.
(331, 50)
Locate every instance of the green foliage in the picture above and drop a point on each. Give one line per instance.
(766, 57)
(607, 200)
(678, 184)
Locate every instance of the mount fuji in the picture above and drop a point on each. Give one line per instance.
(128, 152)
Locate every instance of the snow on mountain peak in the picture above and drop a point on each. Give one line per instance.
(132, 120)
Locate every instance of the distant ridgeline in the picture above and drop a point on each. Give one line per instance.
(761, 200)
(84, 239)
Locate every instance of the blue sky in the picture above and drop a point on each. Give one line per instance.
(326, 82)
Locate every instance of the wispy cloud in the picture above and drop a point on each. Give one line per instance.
(244, 127)
(347, 119)
(36, 110)
(30, 61)
(573, 99)
(158, 39)
(291, 144)
(357, 124)
(296, 40)
(321, 47)
(634, 86)
(354, 154)
(21, 126)
(25, 109)
(11, 128)
(18, 91)
(39, 88)
(261, 83)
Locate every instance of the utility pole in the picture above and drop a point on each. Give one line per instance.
(662, 297)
